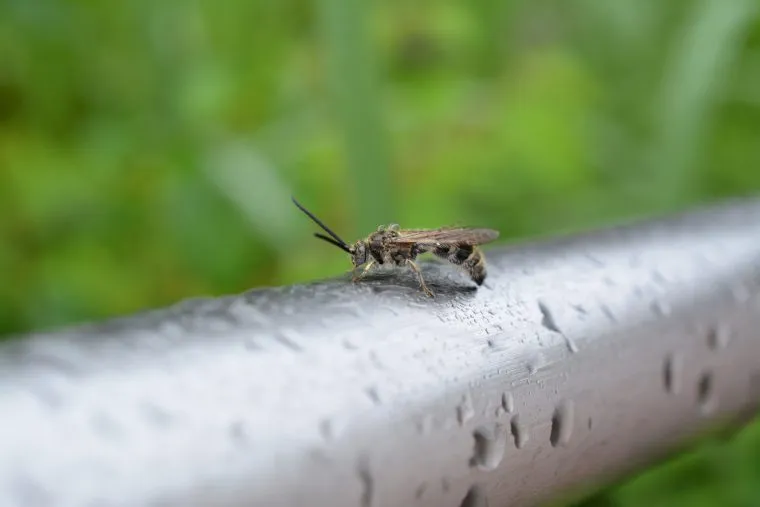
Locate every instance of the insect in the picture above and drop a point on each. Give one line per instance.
(393, 245)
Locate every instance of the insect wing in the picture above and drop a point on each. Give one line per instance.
(453, 235)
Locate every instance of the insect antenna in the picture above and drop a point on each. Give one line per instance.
(335, 240)
(332, 242)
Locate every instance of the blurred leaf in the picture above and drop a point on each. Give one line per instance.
(701, 54)
(352, 79)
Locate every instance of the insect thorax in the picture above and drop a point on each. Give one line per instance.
(382, 249)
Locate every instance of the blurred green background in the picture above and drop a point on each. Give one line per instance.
(148, 149)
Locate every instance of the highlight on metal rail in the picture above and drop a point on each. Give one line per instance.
(581, 359)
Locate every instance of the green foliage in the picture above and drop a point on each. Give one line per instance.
(723, 472)
(148, 149)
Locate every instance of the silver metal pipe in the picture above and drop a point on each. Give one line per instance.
(583, 358)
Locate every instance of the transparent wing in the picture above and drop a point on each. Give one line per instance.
(446, 235)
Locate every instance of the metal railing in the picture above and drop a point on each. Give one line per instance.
(581, 359)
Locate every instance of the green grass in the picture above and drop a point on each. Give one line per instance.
(148, 149)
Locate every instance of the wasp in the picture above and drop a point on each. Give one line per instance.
(400, 247)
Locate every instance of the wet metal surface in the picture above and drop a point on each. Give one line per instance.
(581, 358)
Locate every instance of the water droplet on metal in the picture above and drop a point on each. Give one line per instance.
(608, 313)
(594, 260)
(519, 432)
(718, 337)
(672, 373)
(508, 401)
(659, 278)
(549, 323)
(475, 497)
(289, 338)
(374, 395)
(705, 392)
(563, 422)
(489, 447)
(326, 429)
(349, 345)
(661, 308)
(365, 477)
(238, 433)
(375, 360)
(425, 426)
(580, 309)
(547, 319)
(392, 310)
(465, 410)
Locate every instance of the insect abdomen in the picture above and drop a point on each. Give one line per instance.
(467, 256)
(476, 266)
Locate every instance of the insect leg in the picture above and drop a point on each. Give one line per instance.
(423, 286)
(366, 268)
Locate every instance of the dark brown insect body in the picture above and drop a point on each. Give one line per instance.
(396, 246)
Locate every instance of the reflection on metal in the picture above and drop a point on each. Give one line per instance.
(582, 358)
